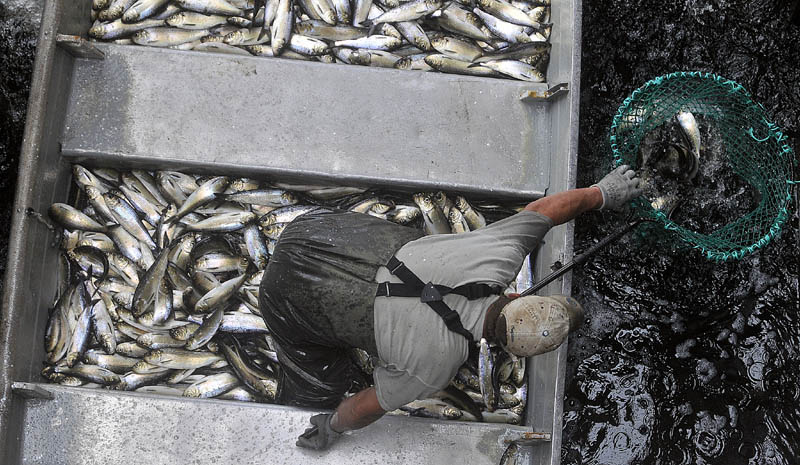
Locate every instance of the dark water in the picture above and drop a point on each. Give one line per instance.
(17, 48)
(680, 360)
(683, 361)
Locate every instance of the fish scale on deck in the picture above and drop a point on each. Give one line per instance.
(490, 38)
(189, 321)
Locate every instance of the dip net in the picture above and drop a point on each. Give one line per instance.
(744, 162)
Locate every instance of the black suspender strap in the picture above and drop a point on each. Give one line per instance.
(432, 294)
(412, 286)
(471, 291)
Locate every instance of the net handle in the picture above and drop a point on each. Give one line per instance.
(582, 258)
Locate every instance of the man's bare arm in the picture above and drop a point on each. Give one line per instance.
(357, 411)
(565, 206)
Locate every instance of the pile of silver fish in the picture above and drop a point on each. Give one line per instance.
(159, 282)
(488, 38)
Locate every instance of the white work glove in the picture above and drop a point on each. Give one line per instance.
(618, 187)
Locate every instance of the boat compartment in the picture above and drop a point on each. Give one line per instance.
(125, 106)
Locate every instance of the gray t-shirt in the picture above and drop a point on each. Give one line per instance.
(418, 354)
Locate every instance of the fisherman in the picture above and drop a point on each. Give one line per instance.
(339, 280)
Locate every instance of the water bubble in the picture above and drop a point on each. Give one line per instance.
(746, 450)
(756, 371)
(621, 441)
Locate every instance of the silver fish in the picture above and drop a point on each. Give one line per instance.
(281, 29)
(414, 62)
(92, 239)
(319, 29)
(447, 64)
(219, 295)
(210, 7)
(409, 11)
(241, 185)
(502, 416)
(691, 132)
(435, 221)
(206, 331)
(403, 214)
(430, 408)
(150, 285)
(507, 12)
(142, 183)
(445, 203)
(162, 304)
(103, 324)
(256, 247)
(239, 323)
(142, 9)
(114, 10)
(195, 21)
(168, 11)
(126, 216)
(360, 11)
(457, 222)
(91, 373)
(117, 29)
(79, 340)
(128, 245)
(540, 14)
(239, 393)
(374, 42)
(307, 45)
(151, 212)
(212, 386)
(485, 370)
(132, 380)
(515, 69)
(167, 36)
(117, 363)
(517, 52)
(131, 350)
(225, 222)
(180, 359)
(456, 19)
(180, 254)
(85, 178)
(475, 219)
(58, 334)
(285, 214)
(377, 58)
(144, 368)
(247, 36)
(72, 218)
(182, 333)
(205, 193)
(457, 48)
(343, 11)
(320, 10)
(251, 378)
(507, 31)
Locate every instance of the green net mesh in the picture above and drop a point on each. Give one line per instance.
(755, 150)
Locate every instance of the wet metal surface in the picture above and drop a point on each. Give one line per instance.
(410, 142)
(180, 430)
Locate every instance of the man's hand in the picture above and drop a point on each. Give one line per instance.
(618, 188)
(321, 435)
